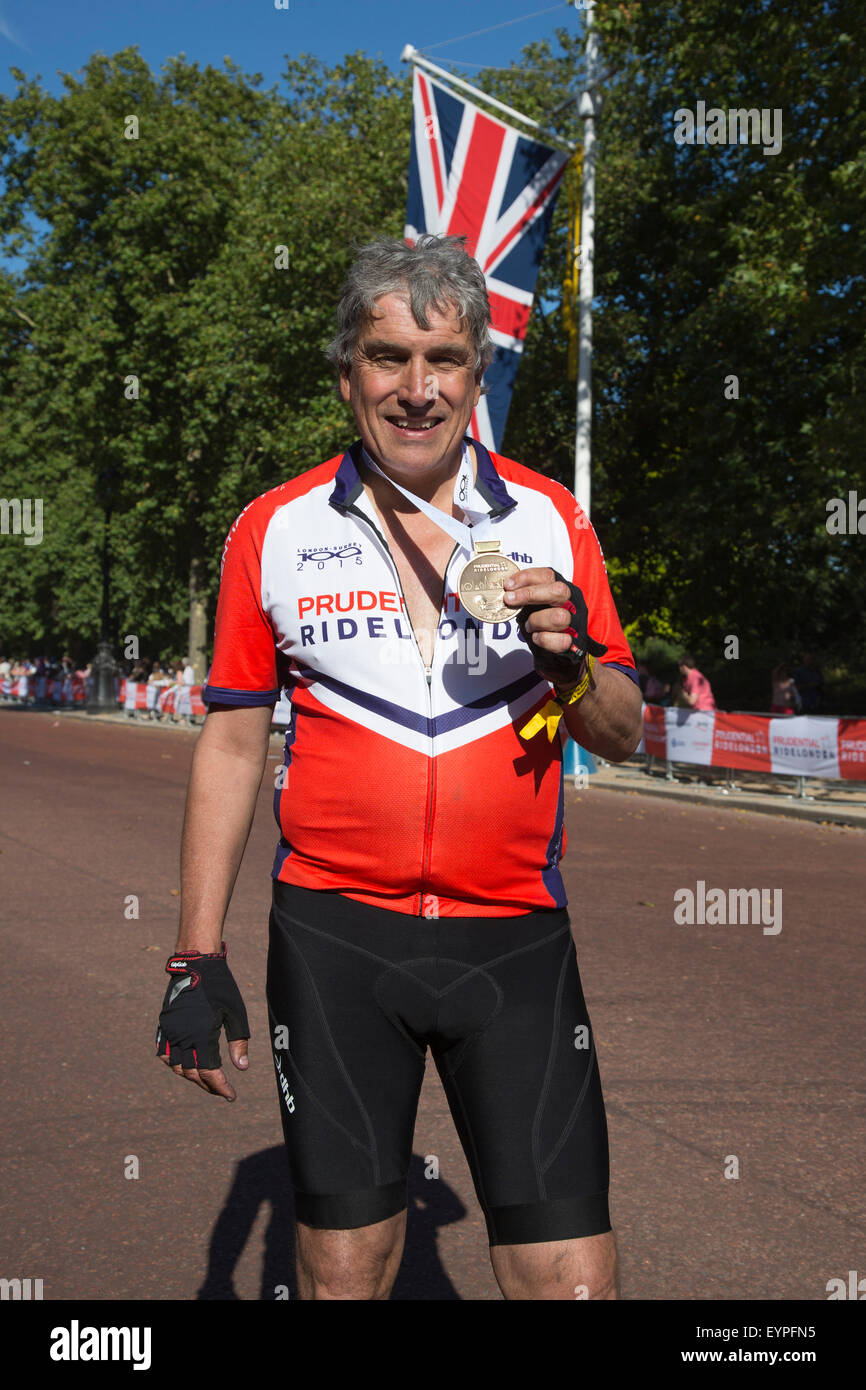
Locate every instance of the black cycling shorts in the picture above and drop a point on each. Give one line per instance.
(356, 994)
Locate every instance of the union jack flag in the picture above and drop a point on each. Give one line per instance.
(473, 176)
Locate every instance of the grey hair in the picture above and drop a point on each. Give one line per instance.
(437, 273)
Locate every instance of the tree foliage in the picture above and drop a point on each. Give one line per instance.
(156, 257)
(202, 257)
(712, 262)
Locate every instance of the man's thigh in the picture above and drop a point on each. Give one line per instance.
(524, 1089)
(347, 1078)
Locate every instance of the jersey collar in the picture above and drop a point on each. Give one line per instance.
(348, 485)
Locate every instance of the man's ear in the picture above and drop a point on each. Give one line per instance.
(477, 396)
(345, 387)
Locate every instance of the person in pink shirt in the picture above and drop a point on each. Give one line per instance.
(697, 691)
(786, 696)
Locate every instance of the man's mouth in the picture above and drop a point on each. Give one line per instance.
(413, 426)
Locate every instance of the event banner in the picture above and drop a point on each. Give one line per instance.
(808, 745)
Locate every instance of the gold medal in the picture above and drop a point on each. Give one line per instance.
(481, 584)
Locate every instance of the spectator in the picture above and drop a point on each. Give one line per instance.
(786, 697)
(810, 684)
(657, 692)
(158, 675)
(696, 690)
(188, 677)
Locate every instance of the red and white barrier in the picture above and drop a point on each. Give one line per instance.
(803, 745)
(807, 745)
(182, 700)
(69, 690)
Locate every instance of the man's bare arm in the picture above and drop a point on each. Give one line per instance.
(224, 783)
(607, 720)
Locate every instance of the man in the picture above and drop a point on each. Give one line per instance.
(417, 899)
(810, 684)
(696, 690)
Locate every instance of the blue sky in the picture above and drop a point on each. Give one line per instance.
(42, 36)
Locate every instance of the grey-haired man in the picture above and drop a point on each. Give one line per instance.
(417, 898)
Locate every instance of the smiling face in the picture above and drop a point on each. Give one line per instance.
(412, 389)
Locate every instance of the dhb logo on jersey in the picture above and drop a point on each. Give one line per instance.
(284, 1085)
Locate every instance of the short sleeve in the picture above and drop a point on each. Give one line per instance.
(590, 576)
(244, 668)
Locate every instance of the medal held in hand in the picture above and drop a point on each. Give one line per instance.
(481, 585)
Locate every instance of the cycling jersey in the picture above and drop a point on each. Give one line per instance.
(404, 787)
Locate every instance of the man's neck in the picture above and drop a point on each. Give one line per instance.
(437, 488)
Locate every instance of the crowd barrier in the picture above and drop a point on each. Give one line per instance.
(807, 745)
(170, 698)
(182, 700)
(70, 690)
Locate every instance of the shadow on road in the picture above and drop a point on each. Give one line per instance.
(262, 1180)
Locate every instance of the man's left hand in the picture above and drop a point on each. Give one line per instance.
(553, 617)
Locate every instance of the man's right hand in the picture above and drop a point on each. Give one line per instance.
(201, 998)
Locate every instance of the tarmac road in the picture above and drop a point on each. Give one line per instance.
(716, 1043)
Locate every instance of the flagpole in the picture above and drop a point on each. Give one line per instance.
(411, 55)
(583, 426)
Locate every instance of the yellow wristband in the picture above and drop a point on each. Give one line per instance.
(551, 713)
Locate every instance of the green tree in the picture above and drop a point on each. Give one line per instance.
(716, 262)
(159, 259)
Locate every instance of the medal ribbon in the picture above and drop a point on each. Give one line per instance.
(550, 714)
(464, 489)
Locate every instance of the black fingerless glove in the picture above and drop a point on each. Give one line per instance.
(562, 668)
(201, 998)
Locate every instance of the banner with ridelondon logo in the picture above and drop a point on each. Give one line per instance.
(806, 745)
(852, 749)
(741, 741)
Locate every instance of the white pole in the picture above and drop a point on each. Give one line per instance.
(583, 430)
(411, 55)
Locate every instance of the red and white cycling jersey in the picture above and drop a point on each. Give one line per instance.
(405, 789)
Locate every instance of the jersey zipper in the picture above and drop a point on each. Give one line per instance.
(427, 846)
(427, 850)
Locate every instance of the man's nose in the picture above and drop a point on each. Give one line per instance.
(414, 382)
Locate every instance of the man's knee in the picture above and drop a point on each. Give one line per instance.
(581, 1269)
(354, 1264)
